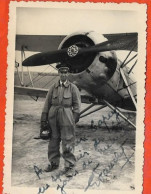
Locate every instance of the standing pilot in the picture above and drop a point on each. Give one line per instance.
(61, 111)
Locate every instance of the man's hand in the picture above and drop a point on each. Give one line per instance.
(76, 117)
(45, 130)
(44, 125)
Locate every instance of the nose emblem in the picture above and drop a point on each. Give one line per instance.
(73, 51)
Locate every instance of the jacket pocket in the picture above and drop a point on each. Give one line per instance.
(67, 98)
(67, 95)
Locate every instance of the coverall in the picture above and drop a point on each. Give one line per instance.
(61, 105)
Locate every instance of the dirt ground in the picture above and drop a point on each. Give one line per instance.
(105, 152)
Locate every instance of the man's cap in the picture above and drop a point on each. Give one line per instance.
(63, 68)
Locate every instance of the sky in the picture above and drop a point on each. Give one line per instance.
(57, 21)
(50, 21)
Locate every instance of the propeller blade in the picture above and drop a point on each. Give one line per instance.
(120, 44)
(46, 58)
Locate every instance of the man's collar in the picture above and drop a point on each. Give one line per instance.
(63, 82)
(66, 83)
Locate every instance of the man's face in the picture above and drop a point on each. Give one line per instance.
(63, 76)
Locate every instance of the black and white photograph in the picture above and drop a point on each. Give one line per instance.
(75, 98)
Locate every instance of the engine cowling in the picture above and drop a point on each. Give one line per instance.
(80, 63)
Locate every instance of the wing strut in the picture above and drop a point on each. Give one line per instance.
(99, 108)
(118, 112)
(30, 77)
(128, 87)
(87, 108)
(123, 64)
(130, 60)
(17, 65)
(22, 70)
(132, 67)
(23, 56)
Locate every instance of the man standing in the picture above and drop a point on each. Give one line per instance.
(61, 112)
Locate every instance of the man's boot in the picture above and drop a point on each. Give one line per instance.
(51, 167)
(69, 171)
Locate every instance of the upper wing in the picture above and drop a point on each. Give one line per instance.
(119, 37)
(38, 43)
(44, 43)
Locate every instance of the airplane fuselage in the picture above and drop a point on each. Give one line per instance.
(97, 82)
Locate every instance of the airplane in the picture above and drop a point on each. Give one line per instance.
(101, 77)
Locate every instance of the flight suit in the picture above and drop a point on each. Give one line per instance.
(61, 105)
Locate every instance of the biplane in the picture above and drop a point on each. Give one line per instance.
(101, 77)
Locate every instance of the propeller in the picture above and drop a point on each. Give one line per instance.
(66, 54)
(46, 58)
